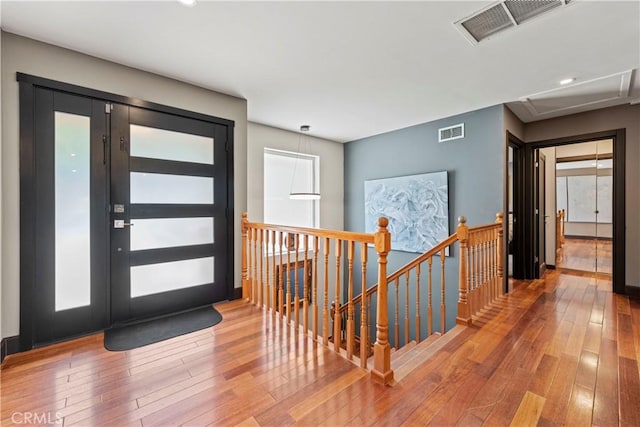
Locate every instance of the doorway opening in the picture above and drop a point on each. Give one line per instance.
(584, 185)
(598, 208)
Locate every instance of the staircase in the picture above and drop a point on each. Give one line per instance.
(294, 272)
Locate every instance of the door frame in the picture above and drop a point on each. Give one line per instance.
(539, 213)
(619, 204)
(520, 210)
(27, 86)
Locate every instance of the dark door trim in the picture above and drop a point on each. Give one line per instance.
(119, 99)
(619, 216)
(27, 86)
(519, 248)
(540, 210)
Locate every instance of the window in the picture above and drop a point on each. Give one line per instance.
(285, 172)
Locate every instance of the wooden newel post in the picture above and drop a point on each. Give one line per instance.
(500, 258)
(381, 371)
(245, 277)
(464, 314)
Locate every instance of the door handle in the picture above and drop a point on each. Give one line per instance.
(119, 223)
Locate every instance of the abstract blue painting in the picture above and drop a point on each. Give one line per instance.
(417, 207)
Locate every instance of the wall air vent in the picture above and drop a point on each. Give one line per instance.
(504, 15)
(450, 133)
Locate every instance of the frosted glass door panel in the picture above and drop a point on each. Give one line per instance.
(72, 211)
(155, 278)
(169, 232)
(581, 192)
(605, 199)
(171, 189)
(169, 145)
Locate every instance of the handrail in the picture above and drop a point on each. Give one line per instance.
(316, 232)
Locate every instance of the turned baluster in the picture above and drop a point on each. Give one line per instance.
(254, 272)
(418, 303)
(443, 305)
(305, 287)
(351, 326)
(337, 324)
(296, 291)
(245, 276)
(265, 255)
(281, 278)
(430, 297)
(274, 285)
(406, 309)
(325, 309)
(396, 317)
(314, 303)
(364, 330)
(260, 268)
(500, 219)
(287, 297)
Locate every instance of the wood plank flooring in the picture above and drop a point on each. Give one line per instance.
(559, 351)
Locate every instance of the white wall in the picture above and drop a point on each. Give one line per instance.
(331, 156)
(627, 117)
(24, 55)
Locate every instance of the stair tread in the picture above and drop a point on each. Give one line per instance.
(410, 352)
(423, 352)
(395, 354)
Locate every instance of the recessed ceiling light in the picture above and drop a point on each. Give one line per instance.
(189, 3)
(567, 81)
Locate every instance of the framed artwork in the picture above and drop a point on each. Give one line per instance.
(417, 207)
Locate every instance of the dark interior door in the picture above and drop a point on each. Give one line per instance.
(169, 223)
(68, 256)
(540, 218)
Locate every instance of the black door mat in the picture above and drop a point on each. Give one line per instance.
(134, 335)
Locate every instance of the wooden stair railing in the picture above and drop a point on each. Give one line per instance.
(479, 284)
(273, 254)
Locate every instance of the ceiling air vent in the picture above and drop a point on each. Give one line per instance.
(451, 133)
(488, 22)
(523, 10)
(503, 15)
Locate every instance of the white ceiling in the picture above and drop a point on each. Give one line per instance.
(350, 69)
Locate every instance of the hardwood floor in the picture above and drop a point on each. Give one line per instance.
(586, 255)
(562, 350)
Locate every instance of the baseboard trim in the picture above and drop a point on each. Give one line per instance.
(237, 293)
(632, 291)
(8, 346)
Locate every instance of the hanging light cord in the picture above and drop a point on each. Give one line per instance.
(295, 164)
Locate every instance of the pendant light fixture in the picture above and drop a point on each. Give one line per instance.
(295, 195)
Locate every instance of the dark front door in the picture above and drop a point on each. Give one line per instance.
(168, 213)
(125, 212)
(65, 249)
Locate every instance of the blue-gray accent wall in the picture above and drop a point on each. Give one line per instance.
(475, 166)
